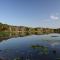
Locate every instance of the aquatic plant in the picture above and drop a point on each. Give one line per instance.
(40, 49)
(17, 58)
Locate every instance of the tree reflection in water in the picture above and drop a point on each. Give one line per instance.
(6, 36)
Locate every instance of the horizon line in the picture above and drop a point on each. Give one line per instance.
(28, 26)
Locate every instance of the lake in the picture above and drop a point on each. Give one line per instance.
(31, 47)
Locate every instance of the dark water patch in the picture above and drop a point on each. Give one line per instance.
(54, 36)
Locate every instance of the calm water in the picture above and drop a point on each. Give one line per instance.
(32, 47)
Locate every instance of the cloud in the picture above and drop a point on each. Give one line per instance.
(57, 13)
(54, 17)
(55, 43)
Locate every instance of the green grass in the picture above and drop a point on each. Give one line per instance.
(4, 34)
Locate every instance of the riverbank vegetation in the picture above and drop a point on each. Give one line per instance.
(6, 29)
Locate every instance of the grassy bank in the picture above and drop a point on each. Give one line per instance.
(4, 34)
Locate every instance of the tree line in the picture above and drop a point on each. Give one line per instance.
(10, 28)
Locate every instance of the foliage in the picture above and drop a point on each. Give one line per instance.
(9, 28)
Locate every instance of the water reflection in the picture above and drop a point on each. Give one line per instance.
(4, 38)
(36, 50)
(13, 35)
(7, 35)
(35, 47)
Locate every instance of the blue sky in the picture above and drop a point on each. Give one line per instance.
(31, 13)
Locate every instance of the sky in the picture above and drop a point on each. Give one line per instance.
(31, 13)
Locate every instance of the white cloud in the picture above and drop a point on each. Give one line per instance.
(57, 13)
(54, 17)
(55, 43)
